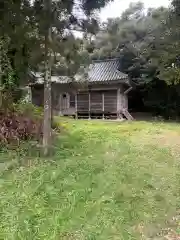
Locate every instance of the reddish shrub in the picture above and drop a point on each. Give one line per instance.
(16, 127)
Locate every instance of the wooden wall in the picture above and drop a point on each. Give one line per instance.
(110, 101)
(97, 99)
(83, 102)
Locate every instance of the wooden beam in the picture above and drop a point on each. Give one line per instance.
(103, 104)
(60, 107)
(89, 105)
(76, 109)
(106, 87)
(29, 92)
(125, 101)
(68, 100)
(128, 90)
(119, 103)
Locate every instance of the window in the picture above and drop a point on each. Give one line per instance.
(72, 100)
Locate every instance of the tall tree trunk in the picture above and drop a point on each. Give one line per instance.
(1, 46)
(47, 131)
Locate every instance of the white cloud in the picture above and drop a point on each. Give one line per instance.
(115, 8)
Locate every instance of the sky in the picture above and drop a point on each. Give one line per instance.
(115, 8)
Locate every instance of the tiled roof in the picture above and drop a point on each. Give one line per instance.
(39, 79)
(98, 71)
(107, 70)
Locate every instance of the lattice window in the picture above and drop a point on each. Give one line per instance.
(72, 101)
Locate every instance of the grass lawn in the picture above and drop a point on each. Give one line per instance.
(108, 180)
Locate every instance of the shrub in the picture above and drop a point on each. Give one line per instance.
(35, 112)
(21, 122)
(29, 109)
(16, 127)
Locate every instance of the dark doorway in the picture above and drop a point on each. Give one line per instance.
(135, 102)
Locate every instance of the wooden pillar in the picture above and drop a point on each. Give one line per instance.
(30, 94)
(60, 106)
(125, 106)
(119, 102)
(103, 104)
(89, 105)
(76, 108)
(125, 102)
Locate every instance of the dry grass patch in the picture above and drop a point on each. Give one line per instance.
(162, 138)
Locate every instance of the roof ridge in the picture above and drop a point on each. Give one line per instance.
(105, 60)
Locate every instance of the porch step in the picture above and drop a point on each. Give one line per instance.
(127, 115)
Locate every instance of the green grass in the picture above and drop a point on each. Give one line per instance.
(108, 180)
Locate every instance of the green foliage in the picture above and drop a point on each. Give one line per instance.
(8, 78)
(162, 99)
(131, 38)
(176, 6)
(29, 110)
(171, 75)
(147, 45)
(14, 33)
(22, 37)
(65, 17)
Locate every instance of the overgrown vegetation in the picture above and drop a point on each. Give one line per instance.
(147, 44)
(106, 181)
(20, 122)
(38, 35)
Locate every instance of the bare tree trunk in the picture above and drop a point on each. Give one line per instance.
(47, 131)
(0, 79)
